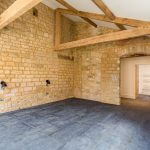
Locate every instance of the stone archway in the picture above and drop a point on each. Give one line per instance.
(129, 74)
(110, 69)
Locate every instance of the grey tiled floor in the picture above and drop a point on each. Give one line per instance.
(75, 125)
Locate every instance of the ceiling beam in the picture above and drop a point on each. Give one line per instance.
(120, 26)
(67, 5)
(57, 28)
(120, 35)
(117, 20)
(102, 6)
(18, 8)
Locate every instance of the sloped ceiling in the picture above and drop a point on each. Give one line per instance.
(135, 9)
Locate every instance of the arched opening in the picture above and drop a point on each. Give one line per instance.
(135, 77)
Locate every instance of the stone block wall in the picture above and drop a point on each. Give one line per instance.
(97, 67)
(27, 60)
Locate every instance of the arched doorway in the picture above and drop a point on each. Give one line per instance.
(110, 70)
(135, 77)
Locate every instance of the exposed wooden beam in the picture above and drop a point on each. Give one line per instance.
(18, 8)
(118, 20)
(67, 5)
(120, 26)
(89, 21)
(120, 35)
(101, 5)
(57, 28)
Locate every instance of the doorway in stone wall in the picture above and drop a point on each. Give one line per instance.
(135, 78)
(143, 80)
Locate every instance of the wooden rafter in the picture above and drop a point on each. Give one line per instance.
(120, 35)
(67, 5)
(100, 4)
(118, 20)
(120, 26)
(57, 28)
(18, 8)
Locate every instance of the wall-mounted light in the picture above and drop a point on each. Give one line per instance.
(48, 82)
(3, 84)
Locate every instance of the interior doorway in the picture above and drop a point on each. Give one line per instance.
(135, 78)
(143, 86)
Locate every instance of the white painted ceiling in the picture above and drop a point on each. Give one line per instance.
(135, 9)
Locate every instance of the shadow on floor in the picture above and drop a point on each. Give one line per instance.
(75, 124)
(144, 97)
(141, 102)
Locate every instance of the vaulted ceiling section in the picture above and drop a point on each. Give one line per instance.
(116, 14)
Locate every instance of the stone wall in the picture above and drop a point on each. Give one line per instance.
(27, 60)
(97, 67)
